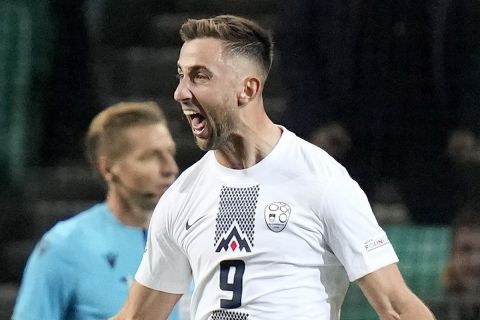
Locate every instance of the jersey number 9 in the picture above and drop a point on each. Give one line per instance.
(235, 285)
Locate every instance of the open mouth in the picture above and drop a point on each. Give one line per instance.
(196, 120)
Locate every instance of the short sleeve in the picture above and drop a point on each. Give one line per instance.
(352, 231)
(47, 283)
(164, 265)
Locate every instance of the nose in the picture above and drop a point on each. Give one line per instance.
(182, 92)
(169, 167)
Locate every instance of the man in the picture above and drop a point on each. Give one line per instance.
(82, 267)
(268, 225)
(462, 273)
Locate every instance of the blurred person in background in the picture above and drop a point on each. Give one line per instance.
(462, 274)
(334, 139)
(459, 182)
(388, 204)
(463, 147)
(387, 201)
(82, 267)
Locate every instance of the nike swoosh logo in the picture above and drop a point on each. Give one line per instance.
(188, 226)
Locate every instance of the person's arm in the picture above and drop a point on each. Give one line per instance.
(145, 303)
(391, 298)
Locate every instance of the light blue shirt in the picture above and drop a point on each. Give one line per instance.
(81, 269)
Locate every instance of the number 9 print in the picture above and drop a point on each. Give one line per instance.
(236, 286)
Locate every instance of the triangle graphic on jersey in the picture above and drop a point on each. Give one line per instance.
(233, 241)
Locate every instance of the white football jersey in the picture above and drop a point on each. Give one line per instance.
(279, 240)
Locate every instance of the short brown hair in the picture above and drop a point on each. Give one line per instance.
(241, 36)
(105, 134)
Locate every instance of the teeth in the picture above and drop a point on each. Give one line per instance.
(189, 112)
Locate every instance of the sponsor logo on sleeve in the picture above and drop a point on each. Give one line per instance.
(376, 243)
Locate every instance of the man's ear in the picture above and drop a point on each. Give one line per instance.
(103, 168)
(250, 90)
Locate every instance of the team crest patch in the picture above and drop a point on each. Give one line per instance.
(277, 215)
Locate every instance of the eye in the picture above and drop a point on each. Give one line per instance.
(145, 157)
(179, 76)
(201, 76)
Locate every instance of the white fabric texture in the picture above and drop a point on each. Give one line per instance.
(279, 240)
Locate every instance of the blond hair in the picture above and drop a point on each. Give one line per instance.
(105, 133)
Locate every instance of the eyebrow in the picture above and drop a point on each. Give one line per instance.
(195, 68)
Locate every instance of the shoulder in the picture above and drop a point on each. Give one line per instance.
(193, 188)
(310, 159)
(68, 233)
(81, 220)
(333, 186)
(190, 176)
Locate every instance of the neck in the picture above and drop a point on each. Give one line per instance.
(126, 213)
(249, 145)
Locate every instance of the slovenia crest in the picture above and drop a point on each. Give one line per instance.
(277, 215)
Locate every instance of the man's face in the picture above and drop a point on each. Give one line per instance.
(207, 91)
(147, 167)
(466, 258)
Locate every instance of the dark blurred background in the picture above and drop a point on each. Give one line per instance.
(390, 88)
